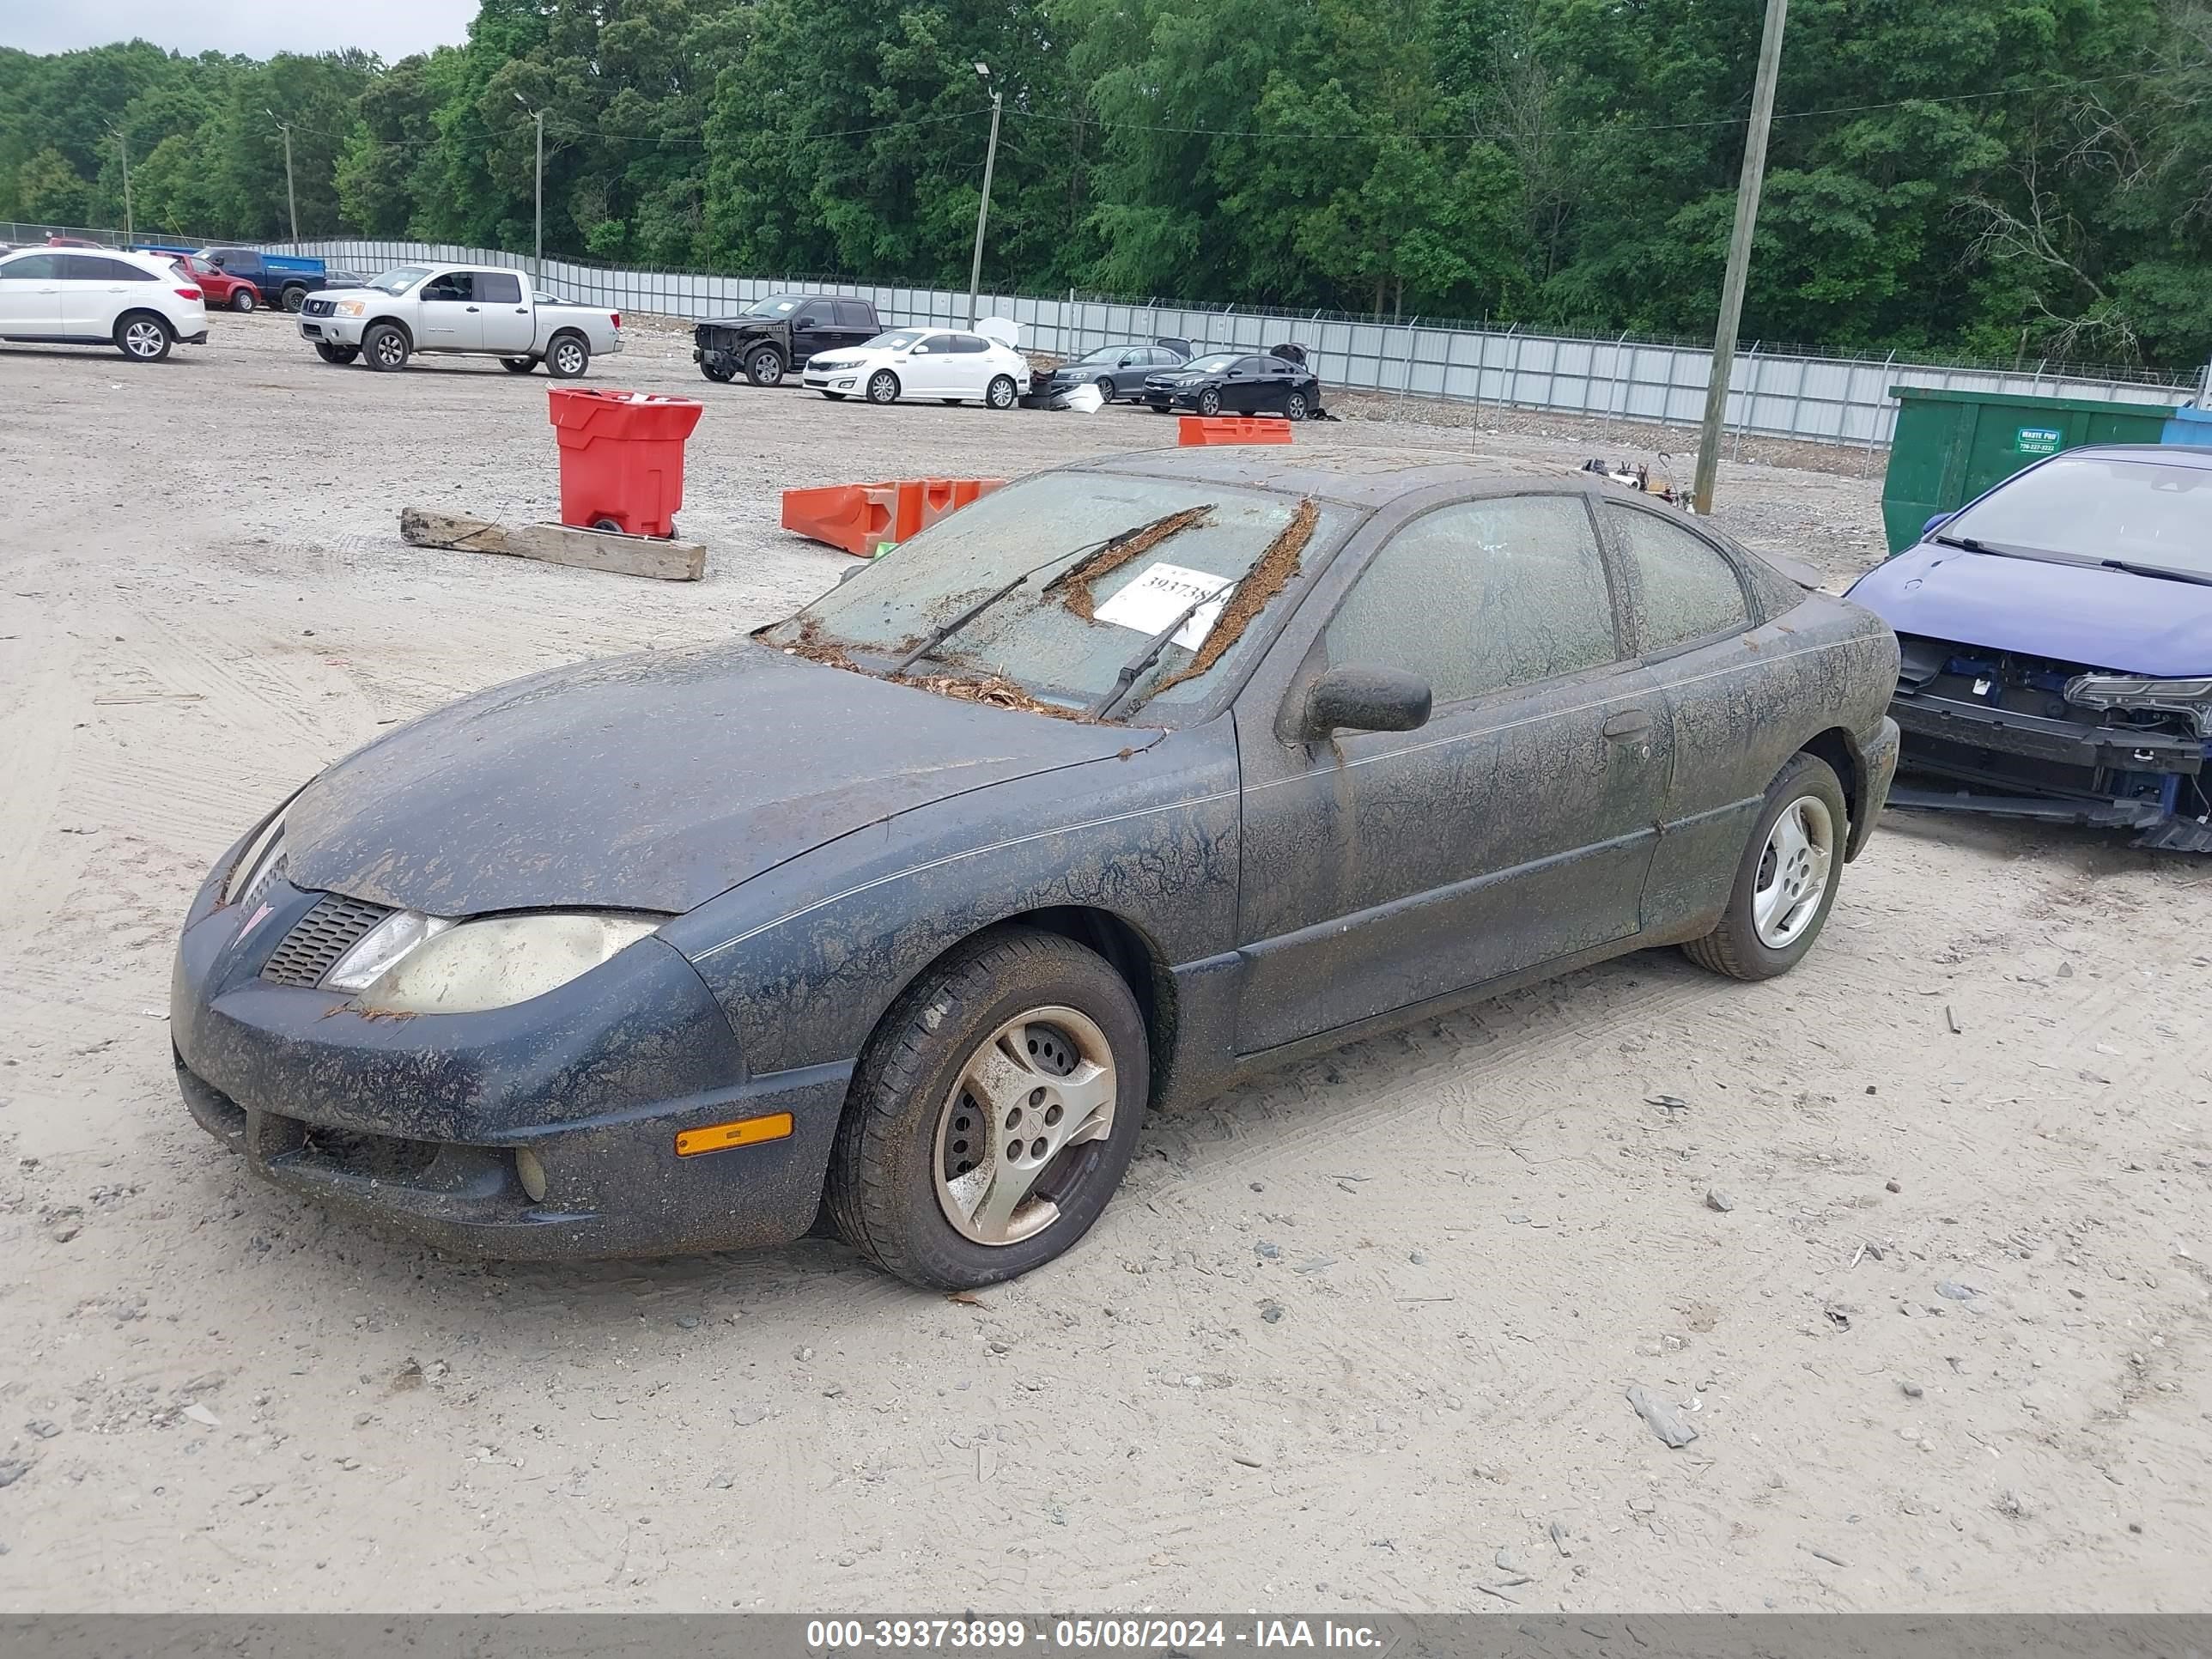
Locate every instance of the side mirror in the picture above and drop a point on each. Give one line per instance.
(1934, 525)
(1359, 699)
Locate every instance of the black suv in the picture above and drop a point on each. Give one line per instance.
(774, 335)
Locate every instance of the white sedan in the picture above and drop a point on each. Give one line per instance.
(948, 364)
(138, 303)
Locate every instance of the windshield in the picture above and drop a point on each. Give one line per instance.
(1039, 636)
(2147, 511)
(897, 340)
(400, 278)
(1214, 365)
(776, 304)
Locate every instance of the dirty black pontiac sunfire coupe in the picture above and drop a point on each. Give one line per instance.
(1125, 781)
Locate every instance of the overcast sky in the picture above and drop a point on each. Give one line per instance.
(390, 28)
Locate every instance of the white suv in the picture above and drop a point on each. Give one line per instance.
(135, 302)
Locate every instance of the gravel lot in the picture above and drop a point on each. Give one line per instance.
(1992, 1075)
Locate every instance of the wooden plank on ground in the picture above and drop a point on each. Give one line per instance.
(556, 543)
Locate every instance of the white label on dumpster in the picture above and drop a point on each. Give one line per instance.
(1160, 595)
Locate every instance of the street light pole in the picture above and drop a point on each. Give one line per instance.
(538, 240)
(291, 196)
(1739, 256)
(983, 206)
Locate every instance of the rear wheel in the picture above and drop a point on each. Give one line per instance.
(993, 1113)
(243, 298)
(1786, 879)
(1001, 393)
(336, 354)
(293, 297)
(1295, 405)
(882, 387)
(385, 348)
(518, 365)
(567, 356)
(765, 366)
(143, 337)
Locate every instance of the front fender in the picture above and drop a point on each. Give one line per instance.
(805, 957)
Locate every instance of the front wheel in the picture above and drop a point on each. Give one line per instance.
(243, 298)
(385, 348)
(336, 354)
(518, 365)
(993, 1113)
(1787, 880)
(882, 387)
(143, 337)
(1001, 393)
(716, 373)
(1209, 402)
(1105, 384)
(765, 366)
(568, 357)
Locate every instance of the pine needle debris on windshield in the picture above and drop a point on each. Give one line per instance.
(1268, 577)
(1077, 578)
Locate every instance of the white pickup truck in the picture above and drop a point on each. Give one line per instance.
(457, 308)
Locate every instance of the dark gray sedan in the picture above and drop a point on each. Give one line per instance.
(1118, 371)
(910, 906)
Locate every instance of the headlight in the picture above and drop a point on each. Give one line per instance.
(411, 963)
(258, 862)
(351, 307)
(2192, 698)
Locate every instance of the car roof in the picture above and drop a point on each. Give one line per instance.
(1361, 478)
(2198, 456)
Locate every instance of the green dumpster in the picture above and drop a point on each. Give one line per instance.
(1949, 446)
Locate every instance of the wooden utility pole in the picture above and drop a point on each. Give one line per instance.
(291, 197)
(983, 206)
(1739, 258)
(123, 149)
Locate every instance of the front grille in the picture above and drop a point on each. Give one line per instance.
(319, 308)
(326, 932)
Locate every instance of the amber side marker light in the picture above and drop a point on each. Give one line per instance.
(690, 1143)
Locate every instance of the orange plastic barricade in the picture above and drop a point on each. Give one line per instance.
(1233, 429)
(622, 458)
(865, 518)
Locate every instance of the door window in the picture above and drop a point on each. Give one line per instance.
(969, 344)
(815, 315)
(453, 285)
(1482, 596)
(1690, 589)
(496, 289)
(855, 314)
(34, 268)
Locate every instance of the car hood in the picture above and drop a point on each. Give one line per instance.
(650, 782)
(2076, 613)
(743, 324)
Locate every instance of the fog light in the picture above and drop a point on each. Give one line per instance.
(531, 1174)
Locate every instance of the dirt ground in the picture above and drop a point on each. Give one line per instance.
(1357, 1335)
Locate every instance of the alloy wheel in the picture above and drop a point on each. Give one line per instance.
(1794, 868)
(1014, 1137)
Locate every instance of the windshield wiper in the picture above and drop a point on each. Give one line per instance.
(948, 629)
(1105, 704)
(2159, 571)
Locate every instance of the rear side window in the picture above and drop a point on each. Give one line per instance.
(1482, 596)
(1690, 589)
(91, 268)
(969, 344)
(495, 288)
(855, 314)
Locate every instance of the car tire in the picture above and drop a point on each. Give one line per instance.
(1294, 406)
(1209, 402)
(144, 336)
(336, 354)
(765, 366)
(719, 376)
(384, 348)
(519, 365)
(1105, 384)
(1786, 881)
(1161, 409)
(1002, 392)
(244, 299)
(294, 298)
(1037, 1010)
(566, 357)
(882, 387)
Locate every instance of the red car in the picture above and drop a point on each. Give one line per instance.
(221, 288)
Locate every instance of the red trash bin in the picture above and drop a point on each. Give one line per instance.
(622, 458)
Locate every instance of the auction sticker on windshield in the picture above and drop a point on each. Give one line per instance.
(1161, 594)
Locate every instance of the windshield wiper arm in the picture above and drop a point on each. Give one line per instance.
(2160, 571)
(946, 630)
(1104, 705)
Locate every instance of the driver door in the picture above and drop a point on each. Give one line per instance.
(1516, 828)
(449, 314)
(31, 295)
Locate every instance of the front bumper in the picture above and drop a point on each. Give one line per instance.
(332, 330)
(415, 1122)
(2020, 765)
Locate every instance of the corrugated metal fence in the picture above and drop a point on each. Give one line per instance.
(1771, 394)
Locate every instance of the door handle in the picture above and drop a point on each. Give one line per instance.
(1628, 723)
(472, 307)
